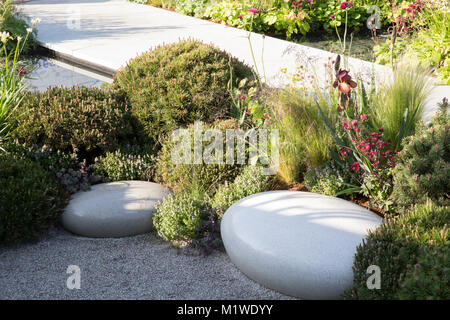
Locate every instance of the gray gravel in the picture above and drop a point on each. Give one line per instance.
(140, 267)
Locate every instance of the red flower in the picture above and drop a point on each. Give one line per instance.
(354, 123)
(253, 10)
(344, 5)
(344, 81)
(346, 126)
(22, 72)
(333, 16)
(355, 166)
(364, 117)
(242, 97)
(240, 16)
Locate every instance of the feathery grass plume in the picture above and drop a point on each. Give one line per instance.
(398, 104)
(304, 137)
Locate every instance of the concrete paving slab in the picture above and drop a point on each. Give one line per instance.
(111, 32)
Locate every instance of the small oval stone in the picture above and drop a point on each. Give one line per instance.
(115, 209)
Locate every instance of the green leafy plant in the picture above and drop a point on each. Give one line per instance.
(179, 176)
(252, 180)
(17, 28)
(406, 248)
(11, 86)
(127, 163)
(195, 8)
(30, 201)
(423, 169)
(87, 121)
(174, 85)
(179, 218)
(329, 179)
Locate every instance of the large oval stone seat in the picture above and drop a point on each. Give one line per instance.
(115, 209)
(298, 243)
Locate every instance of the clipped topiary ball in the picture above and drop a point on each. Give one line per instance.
(83, 120)
(31, 199)
(174, 85)
(423, 166)
(180, 176)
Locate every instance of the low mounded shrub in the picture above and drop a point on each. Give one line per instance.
(31, 199)
(174, 85)
(83, 120)
(126, 163)
(250, 181)
(180, 218)
(71, 173)
(179, 176)
(423, 167)
(413, 254)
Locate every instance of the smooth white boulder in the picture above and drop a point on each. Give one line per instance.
(298, 243)
(115, 209)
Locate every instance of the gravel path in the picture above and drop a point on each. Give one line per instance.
(140, 267)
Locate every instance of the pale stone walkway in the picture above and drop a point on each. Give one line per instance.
(108, 33)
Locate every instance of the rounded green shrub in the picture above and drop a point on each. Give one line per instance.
(406, 249)
(180, 176)
(423, 166)
(83, 120)
(126, 163)
(173, 85)
(252, 180)
(31, 199)
(180, 218)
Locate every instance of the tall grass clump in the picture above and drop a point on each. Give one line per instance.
(398, 105)
(11, 88)
(304, 138)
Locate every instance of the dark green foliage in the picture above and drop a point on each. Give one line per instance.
(83, 120)
(250, 181)
(127, 163)
(16, 26)
(31, 199)
(429, 278)
(174, 85)
(412, 252)
(179, 176)
(71, 173)
(423, 167)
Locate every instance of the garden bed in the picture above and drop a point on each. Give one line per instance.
(340, 134)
